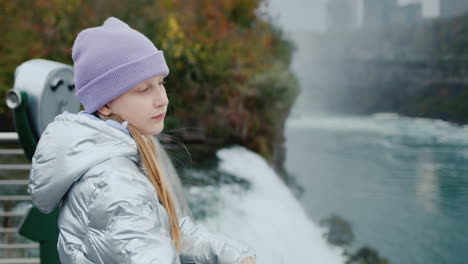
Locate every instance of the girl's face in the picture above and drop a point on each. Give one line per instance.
(143, 106)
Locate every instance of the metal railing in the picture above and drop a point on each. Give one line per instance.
(10, 250)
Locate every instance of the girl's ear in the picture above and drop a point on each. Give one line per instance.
(105, 110)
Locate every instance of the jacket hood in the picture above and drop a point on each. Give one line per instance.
(70, 146)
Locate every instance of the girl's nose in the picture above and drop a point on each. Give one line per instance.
(160, 97)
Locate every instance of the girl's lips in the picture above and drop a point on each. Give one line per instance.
(159, 117)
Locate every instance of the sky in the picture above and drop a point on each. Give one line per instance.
(310, 15)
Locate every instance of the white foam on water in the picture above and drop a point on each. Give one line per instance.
(422, 130)
(267, 216)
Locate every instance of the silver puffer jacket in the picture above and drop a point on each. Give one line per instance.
(109, 211)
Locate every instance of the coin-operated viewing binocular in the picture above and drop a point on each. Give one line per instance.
(42, 90)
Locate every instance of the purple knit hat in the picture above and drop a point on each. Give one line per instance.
(111, 59)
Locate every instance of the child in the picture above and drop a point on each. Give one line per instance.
(100, 165)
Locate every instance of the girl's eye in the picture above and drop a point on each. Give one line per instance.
(163, 82)
(144, 90)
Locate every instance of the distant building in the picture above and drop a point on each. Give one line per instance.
(377, 13)
(380, 13)
(342, 15)
(408, 14)
(451, 8)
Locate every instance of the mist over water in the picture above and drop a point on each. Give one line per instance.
(324, 62)
(401, 182)
(267, 215)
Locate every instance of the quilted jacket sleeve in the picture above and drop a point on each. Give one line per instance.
(201, 246)
(123, 225)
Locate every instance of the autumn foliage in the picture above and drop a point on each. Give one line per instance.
(229, 78)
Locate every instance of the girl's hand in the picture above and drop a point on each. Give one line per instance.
(248, 260)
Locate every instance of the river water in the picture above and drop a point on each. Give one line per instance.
(242, 197)
(401, 182)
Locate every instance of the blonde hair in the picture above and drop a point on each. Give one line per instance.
(148, 154)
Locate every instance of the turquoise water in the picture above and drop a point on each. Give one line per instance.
(401, 182)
